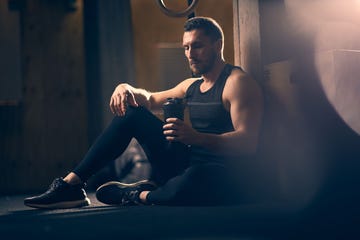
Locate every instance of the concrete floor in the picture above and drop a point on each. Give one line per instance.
(102, 222)
(138, 222)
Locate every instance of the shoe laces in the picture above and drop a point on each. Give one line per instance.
(57, 183)
(53, 186)
(130, 197)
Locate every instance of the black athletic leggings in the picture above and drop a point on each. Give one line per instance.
(180, 183)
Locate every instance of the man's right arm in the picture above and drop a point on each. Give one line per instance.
(125, 94)
(157, 99)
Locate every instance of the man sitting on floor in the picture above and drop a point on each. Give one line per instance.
(225, 108)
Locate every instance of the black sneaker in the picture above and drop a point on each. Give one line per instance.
(117, 193)
(60, 195)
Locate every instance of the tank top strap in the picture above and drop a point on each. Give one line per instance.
(220, 83)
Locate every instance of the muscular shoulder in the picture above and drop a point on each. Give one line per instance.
(241, 86)
(238, 76)
(238, 80)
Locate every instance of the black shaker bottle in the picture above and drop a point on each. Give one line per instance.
(174, 108)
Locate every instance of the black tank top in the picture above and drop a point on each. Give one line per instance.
(207, 113)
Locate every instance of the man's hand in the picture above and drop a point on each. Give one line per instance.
(121, 98)
(177, 130)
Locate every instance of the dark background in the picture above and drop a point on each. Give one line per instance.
(61, 59)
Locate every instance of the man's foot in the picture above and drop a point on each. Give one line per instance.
(117, 193)
(60, 195)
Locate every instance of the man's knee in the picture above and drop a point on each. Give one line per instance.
(136, 111)
(196, 186)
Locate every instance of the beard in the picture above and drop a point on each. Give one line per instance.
(202, 67)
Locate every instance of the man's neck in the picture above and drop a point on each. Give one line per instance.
(215, 72)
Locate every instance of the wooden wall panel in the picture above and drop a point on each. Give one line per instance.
(55, 93)
(10, 61)
(247, 37)
(52, 114)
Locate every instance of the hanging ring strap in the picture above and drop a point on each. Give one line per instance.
(172, 13)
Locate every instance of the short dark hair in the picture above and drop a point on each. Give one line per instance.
(210, 27)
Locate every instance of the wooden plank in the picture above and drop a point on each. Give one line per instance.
(53, 118)
(247, 36)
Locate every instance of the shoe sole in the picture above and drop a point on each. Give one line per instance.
(60, 205)
(125, 185)
(109, 201)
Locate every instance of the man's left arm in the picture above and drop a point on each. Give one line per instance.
(243, 98)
